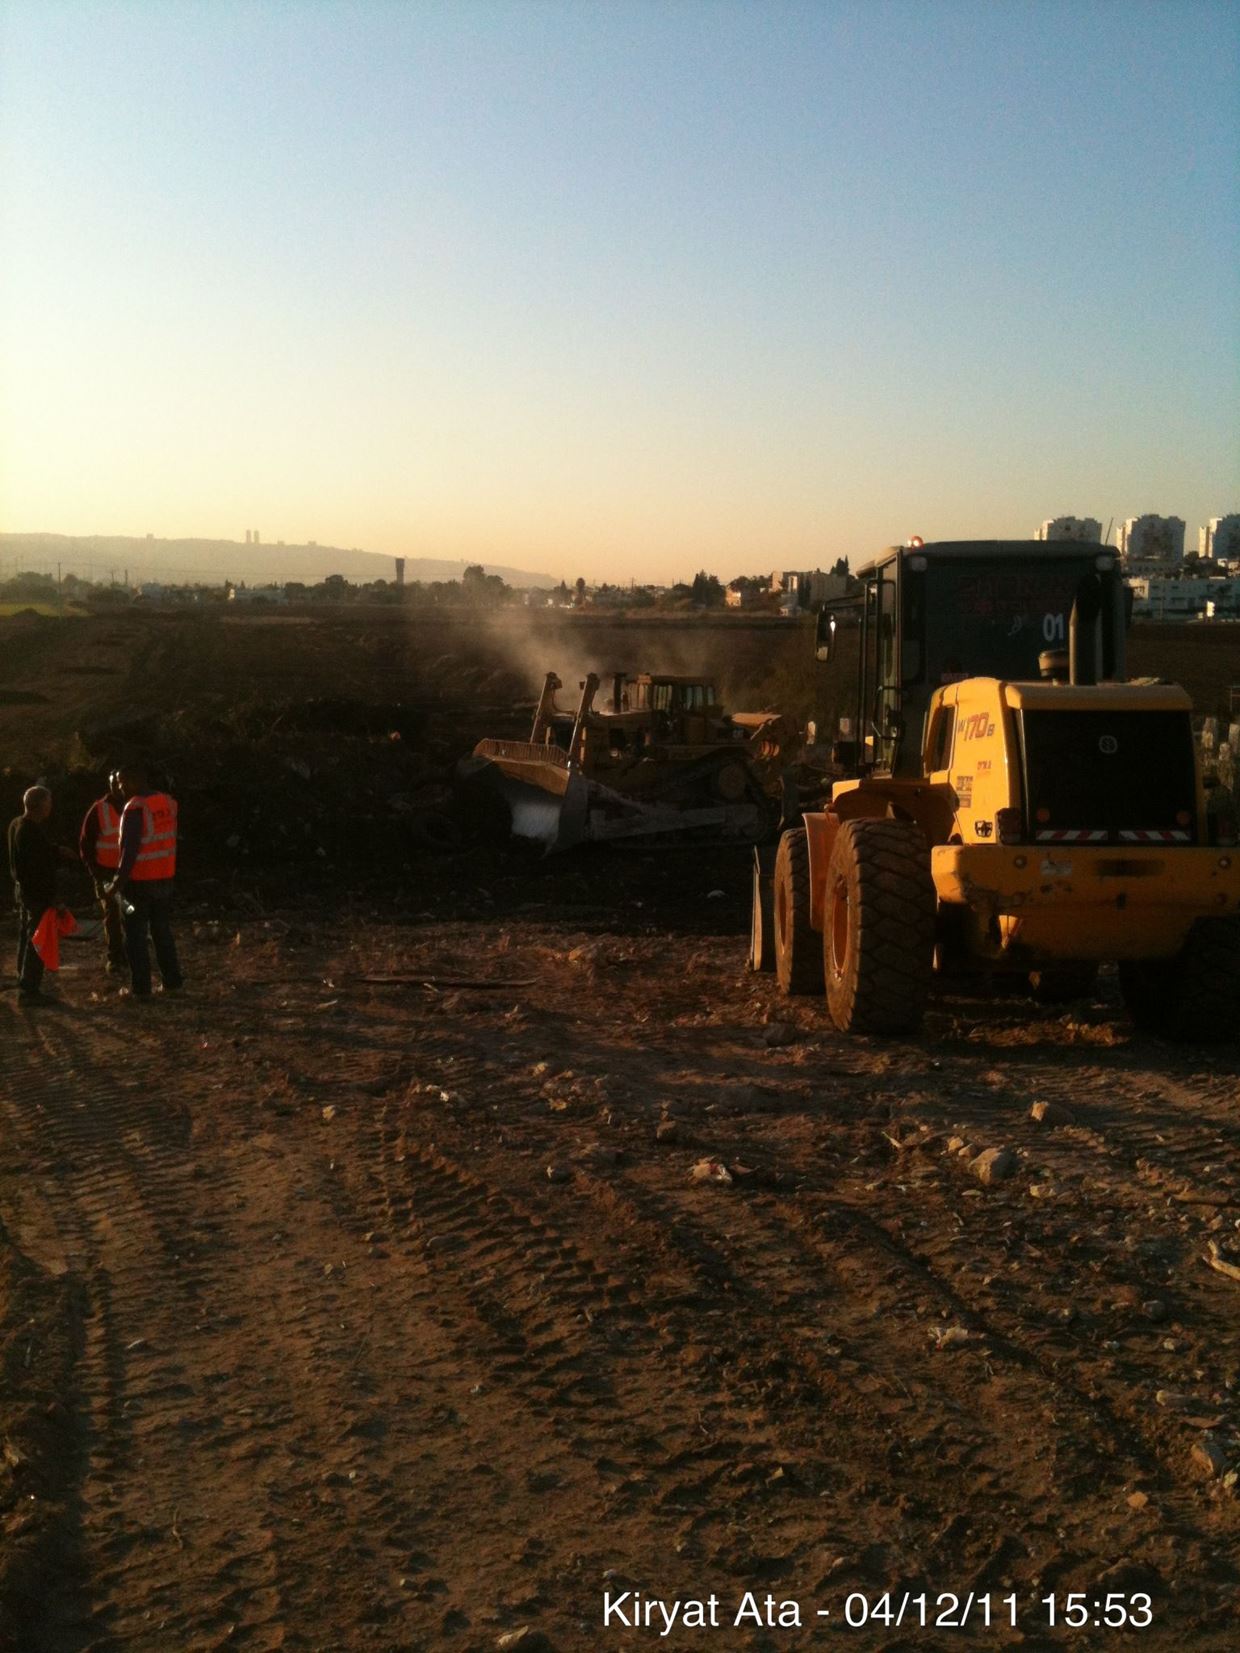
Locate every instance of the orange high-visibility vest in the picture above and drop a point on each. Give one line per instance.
(108, 837)
(157, 850)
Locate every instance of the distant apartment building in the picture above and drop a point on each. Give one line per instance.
(1220, 538)
(1188, 597)
(1152, 539)
(1085, 530)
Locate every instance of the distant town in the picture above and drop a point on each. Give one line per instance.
(58, 574)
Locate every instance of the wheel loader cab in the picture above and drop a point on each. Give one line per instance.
(937, 614)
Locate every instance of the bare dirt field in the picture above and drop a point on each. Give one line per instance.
(366, 1298)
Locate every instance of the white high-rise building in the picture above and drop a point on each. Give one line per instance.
(1221, 537)
(1152, 539)
(1086, 530)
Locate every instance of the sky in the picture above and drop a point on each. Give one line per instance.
(617, 289)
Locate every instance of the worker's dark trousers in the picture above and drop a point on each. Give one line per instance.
(113, 927)
(152, 912)
(29, 964)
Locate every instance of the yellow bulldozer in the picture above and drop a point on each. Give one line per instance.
(1006, 804)
(658, 758)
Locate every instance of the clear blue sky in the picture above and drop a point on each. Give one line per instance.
(619, 289)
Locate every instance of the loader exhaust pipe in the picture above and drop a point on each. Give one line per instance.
(1083, 648)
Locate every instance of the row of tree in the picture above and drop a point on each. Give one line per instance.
(476, 588)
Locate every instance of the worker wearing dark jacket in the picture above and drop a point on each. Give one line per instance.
(99, 844)
(144, 878)
(33, 859)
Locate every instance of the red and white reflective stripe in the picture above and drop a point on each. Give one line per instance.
(1072, 835)
(1175, 836)
(108, 837)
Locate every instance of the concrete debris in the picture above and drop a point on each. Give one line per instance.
(1220, 1264)
(994, 1165)
(950, 1337)
(558, 1173)
(710, 1170)
(1209, 1456)
(1174, 1401)
(779, 1033)
(1051, 1113)
(524, 1640)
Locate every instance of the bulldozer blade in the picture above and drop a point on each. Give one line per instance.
(521, 810)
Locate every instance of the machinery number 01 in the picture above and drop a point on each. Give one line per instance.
(1053, 628)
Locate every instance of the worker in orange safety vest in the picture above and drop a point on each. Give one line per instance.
(99, 844)
(144, 881)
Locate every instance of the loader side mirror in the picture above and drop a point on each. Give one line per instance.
(824, 641)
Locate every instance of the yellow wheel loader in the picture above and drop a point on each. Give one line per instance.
(1009, 804)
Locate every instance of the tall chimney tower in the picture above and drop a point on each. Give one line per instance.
(400, 571)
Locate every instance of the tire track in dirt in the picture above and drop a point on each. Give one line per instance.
(175, 1371)
(564, 1330)
(121, 1206)
(762, 1241)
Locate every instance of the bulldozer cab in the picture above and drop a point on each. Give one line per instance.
(648, 692)
(941, 613)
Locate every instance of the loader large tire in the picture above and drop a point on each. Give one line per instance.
(1195, 996)
(798, 949)
(878, 929)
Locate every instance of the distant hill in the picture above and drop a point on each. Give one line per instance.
(100, 557)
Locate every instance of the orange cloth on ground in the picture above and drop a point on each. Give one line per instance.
(56, 922)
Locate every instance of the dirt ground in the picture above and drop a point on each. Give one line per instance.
(365, 1300)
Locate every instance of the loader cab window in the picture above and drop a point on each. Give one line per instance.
(993, 620)
(661, 697)
(696, 697)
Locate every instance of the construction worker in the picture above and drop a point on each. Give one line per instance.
(33, 860)
(100, 847)
(144, 881)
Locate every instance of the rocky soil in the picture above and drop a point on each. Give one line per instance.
(473, 1242)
